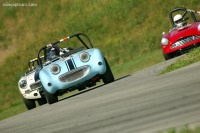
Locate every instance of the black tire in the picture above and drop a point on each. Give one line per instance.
(108, 77)
(30, 103)
(42, 101)
(51, 98)
(80, 88)
(168, 56)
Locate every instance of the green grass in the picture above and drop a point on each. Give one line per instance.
(185, 129)
(128, 33)
(16, 109)
(191, 57)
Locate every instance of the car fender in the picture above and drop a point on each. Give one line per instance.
(46, 80)
(27, 92)
(97, 61)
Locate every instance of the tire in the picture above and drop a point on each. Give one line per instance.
(168, 56)
(108, 76)
(80, 88)
(30, 103)
(51, 98)
(42, 101)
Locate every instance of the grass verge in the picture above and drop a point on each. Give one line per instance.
(191, 57)
(185, 129)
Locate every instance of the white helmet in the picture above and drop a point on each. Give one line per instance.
(178, 20)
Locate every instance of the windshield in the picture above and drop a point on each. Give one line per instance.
(182, 16)
(69, 45)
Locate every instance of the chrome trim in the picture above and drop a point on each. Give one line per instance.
(35, 85)
(75, 74)
(183, 41)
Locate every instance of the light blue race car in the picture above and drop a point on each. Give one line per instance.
(66, 69)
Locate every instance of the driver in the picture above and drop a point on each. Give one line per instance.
(179, 21)
(52, 53)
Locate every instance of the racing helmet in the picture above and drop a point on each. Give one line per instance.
(178, 20)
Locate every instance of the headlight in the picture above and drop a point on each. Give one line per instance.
(22, 84)
(199, 27)
(84, 57)
(164, 41)
(55, 69)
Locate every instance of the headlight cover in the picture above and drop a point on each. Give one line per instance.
(55, 69)
(23, 84)
(84, 57)
(164, 41)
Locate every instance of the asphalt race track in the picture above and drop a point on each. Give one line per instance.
(142, 102)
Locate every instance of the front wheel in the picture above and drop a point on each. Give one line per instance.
(80, 88)
(168, 56)
(30, 103)
(51, 98)
(108, 76)
(42, 101)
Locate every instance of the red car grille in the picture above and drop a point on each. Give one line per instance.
(184, 41)
(74, 74)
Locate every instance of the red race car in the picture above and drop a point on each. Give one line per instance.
(184, 34)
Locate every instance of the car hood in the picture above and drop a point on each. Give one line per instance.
(178, 33)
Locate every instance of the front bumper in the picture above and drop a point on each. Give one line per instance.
(29, 94)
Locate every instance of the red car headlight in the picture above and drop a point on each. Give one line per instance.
(198, 27)
(164, 41)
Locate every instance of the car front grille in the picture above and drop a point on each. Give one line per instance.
(74, 74)
(184, 41)
(36, 85)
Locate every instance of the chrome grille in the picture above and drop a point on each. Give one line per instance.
(184, 41)
(74, 74)
(35, 85)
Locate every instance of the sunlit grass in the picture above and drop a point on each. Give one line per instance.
(191, 57)
(185, 129)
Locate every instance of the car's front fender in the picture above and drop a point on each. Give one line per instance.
(47, 81)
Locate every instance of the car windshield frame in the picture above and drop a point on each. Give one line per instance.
(185, 11)
(54, 44)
